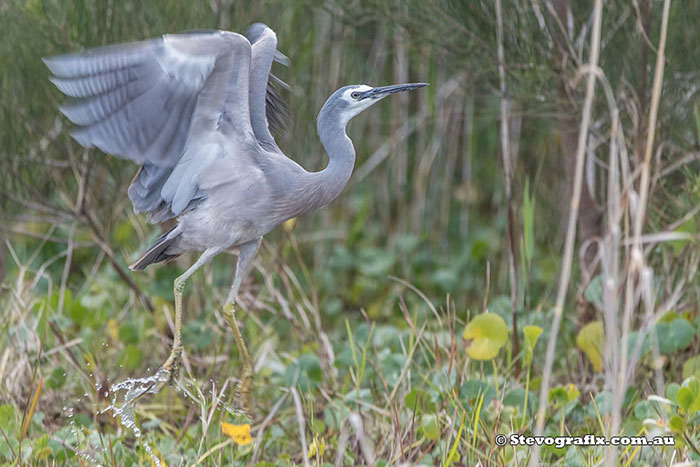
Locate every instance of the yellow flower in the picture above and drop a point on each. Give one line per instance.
(240, 434)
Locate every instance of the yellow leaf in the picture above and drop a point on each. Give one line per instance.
(487, 333)
(317, 447)
(240, 434)
(590, 340)
(572, 392)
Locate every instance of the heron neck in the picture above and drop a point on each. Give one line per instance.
(324, 186)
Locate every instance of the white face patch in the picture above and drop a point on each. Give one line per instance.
(348, 92)
(356, 106)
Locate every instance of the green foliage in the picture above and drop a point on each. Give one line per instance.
(532, 334)
(678, 334)
(337, 334)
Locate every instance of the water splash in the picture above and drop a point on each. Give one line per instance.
(135, 388)
(86, 455)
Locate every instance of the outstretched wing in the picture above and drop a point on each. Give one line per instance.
(267, 110)
(145, 101)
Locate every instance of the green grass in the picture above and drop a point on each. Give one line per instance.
(355, 315)
(369, 391)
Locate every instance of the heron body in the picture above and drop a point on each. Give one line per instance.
(195, 110)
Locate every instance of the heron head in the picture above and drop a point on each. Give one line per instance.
(349, 101)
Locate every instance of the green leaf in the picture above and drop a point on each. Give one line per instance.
(692, 384)
(488, 333)
(677, 424)
(603, 404)
(675, 335)
(531, 333)
(669, 317)
(558, 396)
(472, 390)
(515, 398)
(644, 409)
(429, 425)
(594, 291)
(691, 367)
(672, 391)
(685, 397)
(572, 392)
(419, 401)
(306, 370)
(590, 341)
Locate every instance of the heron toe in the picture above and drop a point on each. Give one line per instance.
(167, 373)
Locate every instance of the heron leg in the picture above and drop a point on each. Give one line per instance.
(246, 254)
(168, 371)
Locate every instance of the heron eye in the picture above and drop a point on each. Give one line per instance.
(355, 95)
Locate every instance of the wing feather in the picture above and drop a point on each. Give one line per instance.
(267, 109)
(147, 101)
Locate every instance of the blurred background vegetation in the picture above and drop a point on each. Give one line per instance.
(358, 308)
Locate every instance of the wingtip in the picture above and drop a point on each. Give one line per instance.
(50, 63)
(281, 58)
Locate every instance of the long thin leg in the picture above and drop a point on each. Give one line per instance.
(169, 369)
(247, 252)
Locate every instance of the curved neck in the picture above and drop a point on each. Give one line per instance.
(320, 188)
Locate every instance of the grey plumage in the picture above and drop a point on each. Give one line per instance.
(194, 110)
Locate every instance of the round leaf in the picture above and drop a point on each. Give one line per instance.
(488, 333)
(676, 335)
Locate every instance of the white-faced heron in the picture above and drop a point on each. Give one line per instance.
(191, 110)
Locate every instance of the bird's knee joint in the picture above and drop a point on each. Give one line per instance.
(229, 309)
(179, 285)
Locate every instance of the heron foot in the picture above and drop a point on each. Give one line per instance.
(243, 394)
(167, 373)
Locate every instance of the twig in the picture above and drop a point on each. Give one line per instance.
(571, 228)
(302, 424)
(636, 266)
(505, 150)
(651, 132)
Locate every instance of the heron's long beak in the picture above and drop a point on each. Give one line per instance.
(383, 91)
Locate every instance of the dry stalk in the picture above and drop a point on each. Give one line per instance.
(571, 228)
(505, 150)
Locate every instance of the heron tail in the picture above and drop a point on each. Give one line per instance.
(157, 253)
